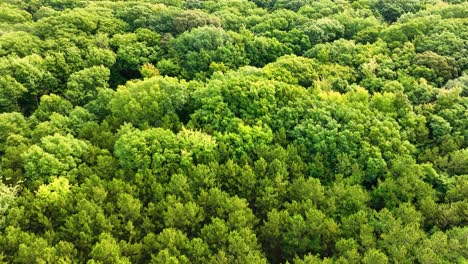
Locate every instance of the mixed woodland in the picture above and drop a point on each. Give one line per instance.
(234, 131)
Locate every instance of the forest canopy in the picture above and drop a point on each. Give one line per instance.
(234, 131)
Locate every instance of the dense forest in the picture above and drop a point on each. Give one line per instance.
(234, 131)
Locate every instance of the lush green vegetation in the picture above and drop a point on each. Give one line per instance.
(234, 131)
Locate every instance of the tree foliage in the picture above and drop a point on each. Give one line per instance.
(234, 131)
